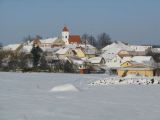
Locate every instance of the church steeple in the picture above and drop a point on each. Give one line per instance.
(65, 29)
(65, 35)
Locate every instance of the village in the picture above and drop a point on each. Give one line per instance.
(68, 54)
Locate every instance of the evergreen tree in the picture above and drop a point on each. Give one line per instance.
(36, 52)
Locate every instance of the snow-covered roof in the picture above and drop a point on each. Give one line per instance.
(48, 40)
(141, 59)
(90, 51)
(95, 60)
(139, 47)
(75, 60)
(49, 49)
(11, 47)
(88, 46)
(73, 46)
(118, 45)
(110, 51)
(146, 60)
(62, 50)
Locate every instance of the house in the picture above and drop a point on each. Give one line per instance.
(82, 51)
(114, 63)
(80, 65)
(97, 61)
(70, 39)
(147, 60)
(79, 52)
(140, 48)
(110, 51)
(62, 53)
(44, 44)
(124, 53)
(132, 67)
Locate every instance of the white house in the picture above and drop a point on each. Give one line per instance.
(97, 61)
(140, 48)
(110, 53)
(115, 62)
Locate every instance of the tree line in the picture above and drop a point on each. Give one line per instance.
(102, 40)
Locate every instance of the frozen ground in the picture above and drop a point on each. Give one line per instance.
(35, 96)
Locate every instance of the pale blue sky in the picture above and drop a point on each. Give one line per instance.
(133, 21)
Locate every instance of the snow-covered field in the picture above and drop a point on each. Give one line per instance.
(57, 96)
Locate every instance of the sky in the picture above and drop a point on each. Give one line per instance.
(132, 21)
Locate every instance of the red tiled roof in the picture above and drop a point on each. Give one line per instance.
(74, 38)
(65, 29)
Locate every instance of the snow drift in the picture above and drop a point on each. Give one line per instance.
(136, 80)
(64, 88)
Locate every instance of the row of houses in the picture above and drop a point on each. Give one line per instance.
(131, 59)
(122, 59)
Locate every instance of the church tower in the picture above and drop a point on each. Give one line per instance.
(65, 35)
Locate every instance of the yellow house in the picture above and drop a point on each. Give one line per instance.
(79, 53)
(131, 67)
(89, 53)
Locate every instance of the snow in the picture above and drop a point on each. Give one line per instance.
(64, 88)
(95, 59)
(48, 40)
(110, 51)
(131, 79)
(75, 60)
(139, 47)
(147, 60)
(26, 96)
(62, 50)
(141, 59)
(116, 47)
(11, 47)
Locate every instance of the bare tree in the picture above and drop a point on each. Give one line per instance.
(88, 39)
(103, 40)
(84, 38)
(92, 40)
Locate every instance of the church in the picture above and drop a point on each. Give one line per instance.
(70, 39)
